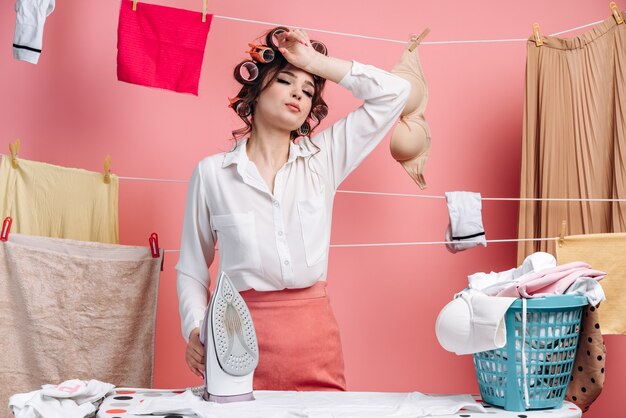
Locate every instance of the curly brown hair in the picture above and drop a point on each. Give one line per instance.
(267, 74)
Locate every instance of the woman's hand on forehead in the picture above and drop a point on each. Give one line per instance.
(295, 46)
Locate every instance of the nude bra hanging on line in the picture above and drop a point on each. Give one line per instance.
(410, 139)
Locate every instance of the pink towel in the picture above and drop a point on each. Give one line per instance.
(552, 281)
(161, 46)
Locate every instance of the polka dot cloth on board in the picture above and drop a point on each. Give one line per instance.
(117, 404)
(588, 373)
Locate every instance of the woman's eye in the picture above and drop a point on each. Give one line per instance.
(283, 81)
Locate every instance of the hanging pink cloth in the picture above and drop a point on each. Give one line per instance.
(160, 46)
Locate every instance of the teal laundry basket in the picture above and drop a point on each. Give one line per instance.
(552, 329)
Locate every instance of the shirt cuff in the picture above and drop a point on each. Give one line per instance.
(195, 324)
(365, 80)
(26, 55)
(348, 80)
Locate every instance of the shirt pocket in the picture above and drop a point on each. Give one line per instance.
(314, 229)
(237, 242)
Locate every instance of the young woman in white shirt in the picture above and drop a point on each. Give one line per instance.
(268, 202)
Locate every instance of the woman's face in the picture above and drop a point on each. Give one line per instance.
(286, 102)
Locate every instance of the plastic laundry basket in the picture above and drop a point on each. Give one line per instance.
(552, 328)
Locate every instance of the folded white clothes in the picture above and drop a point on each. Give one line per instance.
(492, 283)
(473, 322)
(80, 391)
(29, 24)
(466, 221)
(587, 286)
(70, 399)
(35, 405)
(283, 404)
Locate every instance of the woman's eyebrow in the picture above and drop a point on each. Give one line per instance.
(294, 76)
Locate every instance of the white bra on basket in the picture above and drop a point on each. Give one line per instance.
(473, 322)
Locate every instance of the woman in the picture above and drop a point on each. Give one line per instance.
(269, 203)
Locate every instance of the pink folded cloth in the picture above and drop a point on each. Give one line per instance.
(160, 46)
(552, 281)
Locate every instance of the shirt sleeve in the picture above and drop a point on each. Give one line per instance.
(29, 25)
(348, 141)
(197, 251)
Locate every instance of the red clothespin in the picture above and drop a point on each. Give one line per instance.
(6, 228)
(154, 247)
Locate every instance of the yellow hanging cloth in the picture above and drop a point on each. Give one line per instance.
(58, 202)
(604, 252)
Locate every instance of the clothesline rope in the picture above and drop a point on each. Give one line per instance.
(152, 179)
(531, 199)
(375, 38)
(397, 244)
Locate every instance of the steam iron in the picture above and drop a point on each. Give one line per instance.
(230, 345)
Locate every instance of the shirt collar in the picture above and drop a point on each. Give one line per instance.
(238, 156)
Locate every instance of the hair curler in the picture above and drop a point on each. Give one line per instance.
(261, 53)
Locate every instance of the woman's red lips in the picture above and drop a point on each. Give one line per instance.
(293, 106)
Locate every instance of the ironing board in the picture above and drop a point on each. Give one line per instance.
(115, 405)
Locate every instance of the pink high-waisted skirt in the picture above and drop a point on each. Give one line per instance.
(298, 336)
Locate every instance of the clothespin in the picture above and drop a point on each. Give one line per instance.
(616, 13)
(205, 6)
(154, 247)
(563, 232)
(134, 5)
(6, 228)
(415, 40)
(537, 34)
(107, 169)
(15, 151)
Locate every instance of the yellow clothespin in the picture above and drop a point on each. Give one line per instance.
(537, 34)
(134, 5)
(563, 232)
(107, 169)
(15, 151)
(616, 13)
(415, 40)
(205, 6)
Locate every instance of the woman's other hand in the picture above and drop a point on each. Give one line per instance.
(194, 355)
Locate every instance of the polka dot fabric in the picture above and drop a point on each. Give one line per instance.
(588, 373)
(121, 401)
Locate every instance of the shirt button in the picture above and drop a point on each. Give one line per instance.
(280, 233)
(276, 203)
(286, 262)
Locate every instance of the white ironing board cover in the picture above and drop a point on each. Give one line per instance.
(116, 404)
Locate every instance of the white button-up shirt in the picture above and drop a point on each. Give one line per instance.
(276, 241)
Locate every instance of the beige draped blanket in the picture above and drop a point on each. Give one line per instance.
(73, 309)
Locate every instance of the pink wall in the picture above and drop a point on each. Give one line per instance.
(70, 110)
